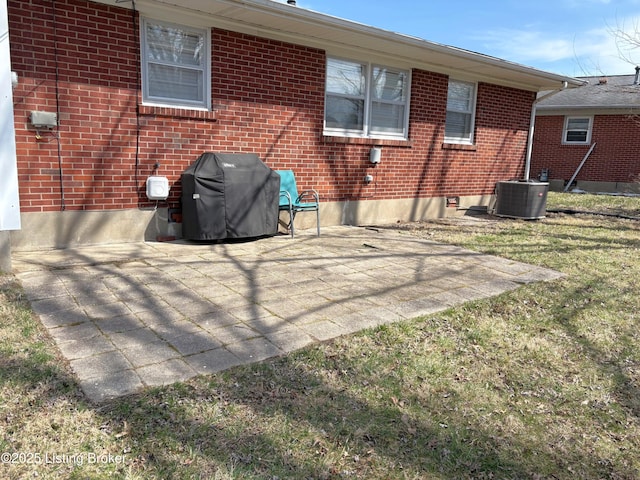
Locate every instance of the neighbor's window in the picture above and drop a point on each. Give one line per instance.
(175, 64)
(577, 130)
(366, 100)
(461, 107)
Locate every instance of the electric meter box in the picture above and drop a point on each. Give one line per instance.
(157, 187)
(43, 119)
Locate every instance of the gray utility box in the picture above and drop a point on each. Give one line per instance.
(521, 199)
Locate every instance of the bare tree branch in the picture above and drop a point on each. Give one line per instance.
(627, 39)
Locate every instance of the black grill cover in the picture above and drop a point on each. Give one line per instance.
(226, 195)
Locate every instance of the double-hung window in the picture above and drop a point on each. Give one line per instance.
(366, 100)
(175, 64)
(461, 110)
(577, 130)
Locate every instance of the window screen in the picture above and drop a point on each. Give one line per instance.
(577, 130)
(366, 100)
(175, 64)
(461, 100)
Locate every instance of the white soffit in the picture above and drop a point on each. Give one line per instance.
(280, 21)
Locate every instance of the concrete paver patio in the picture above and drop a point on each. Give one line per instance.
(128, 316)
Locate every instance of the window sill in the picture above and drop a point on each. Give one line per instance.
(381, 142)
(459, 146)
(177, 112)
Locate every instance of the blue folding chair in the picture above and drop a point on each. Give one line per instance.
(294, 202)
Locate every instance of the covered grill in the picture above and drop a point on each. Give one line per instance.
(227, 195)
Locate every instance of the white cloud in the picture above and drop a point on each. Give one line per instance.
(600, 52)
(527, 45)
(592, 52)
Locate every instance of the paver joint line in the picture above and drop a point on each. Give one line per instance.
(158, 313)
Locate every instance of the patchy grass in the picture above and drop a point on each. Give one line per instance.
(539, 383)
(626, 205)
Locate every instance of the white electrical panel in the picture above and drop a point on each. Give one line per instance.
(157, 187)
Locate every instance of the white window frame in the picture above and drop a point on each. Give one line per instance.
(205, 68)
(566, 129)
(368, 130)
(471, 111)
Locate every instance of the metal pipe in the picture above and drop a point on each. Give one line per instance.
(579, 167)
(532, 122)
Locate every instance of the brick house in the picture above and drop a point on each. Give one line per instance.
(604, 112)
(143, 88)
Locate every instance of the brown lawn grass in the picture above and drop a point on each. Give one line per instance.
(539, 383)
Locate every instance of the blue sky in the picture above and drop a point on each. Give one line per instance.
(569, 37)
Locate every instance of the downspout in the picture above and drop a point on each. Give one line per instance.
(532, 122)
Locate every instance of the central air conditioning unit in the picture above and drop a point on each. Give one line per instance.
(521, 199)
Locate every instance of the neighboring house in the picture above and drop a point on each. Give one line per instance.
(145, 90)
(605, 112)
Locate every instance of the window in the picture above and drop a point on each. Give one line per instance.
(577, 130)
(461, 106)
(175, 65)
(366, 100)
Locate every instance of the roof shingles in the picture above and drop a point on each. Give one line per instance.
(617, 91)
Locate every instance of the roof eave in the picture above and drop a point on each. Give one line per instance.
(587, 107)
(294, 24)
(569, 110)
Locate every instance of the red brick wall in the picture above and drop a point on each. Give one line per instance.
(268, 98)
(616, 157)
